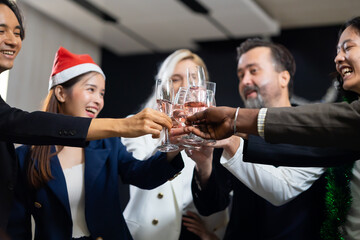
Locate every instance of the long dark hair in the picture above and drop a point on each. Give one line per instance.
(38, 170)
(354, 23)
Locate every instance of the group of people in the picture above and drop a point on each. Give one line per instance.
(66, 175)
(333, 127)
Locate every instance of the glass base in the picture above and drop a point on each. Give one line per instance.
(193, 139)
(168, 148)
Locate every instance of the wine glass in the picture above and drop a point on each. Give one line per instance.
(164, 98)
(179, 115)
(211, 86)
(178, 109)
(210, 94)
(195, 100)
(210, 99)
(210, 102)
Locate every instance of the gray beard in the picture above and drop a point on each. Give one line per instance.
(257, 102)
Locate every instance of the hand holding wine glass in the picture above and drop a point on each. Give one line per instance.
(195, 99)
(164, 99)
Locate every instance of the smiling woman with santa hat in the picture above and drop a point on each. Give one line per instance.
(73, 193)
(17, 126)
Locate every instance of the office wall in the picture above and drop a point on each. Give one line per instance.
(130, 79)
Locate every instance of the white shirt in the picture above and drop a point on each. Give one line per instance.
(74, 177)
(352, 225)
(157, 213)
(278, 185)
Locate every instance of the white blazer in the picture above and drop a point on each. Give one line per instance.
(157, 213)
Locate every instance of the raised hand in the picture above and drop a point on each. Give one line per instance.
(218, 122)
(202, 156)
(148, 121)
(194, 224)
(213, 123)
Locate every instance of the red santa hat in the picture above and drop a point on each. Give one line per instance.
(68, 65)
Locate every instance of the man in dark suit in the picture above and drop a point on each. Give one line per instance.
(17, 126)
(265, 72)
(323, 124)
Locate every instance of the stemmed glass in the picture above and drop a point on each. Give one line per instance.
(210, 102)
(210, 99)
(195, 100)
(210, 94)
(179, 113)
(164, 98)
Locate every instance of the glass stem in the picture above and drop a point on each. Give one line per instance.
(166, 141)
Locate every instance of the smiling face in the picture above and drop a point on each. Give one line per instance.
(10, 41)
(260, 85)
(347, 59)
(85, 98)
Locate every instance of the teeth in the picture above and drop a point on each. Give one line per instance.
(92, 110)
(8, 52)
(346, 71)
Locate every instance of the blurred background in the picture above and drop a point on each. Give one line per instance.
(130, 38)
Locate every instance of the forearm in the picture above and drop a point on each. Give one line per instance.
(246, 121)
(276, 185)
(42, 128)
(230, 146)
(315, 125)
(217, 190)
(105, 128)
(203, 172)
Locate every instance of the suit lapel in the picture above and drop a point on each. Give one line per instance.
(58, 184)
(95, 160)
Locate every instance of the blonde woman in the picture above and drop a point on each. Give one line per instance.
(163, 212)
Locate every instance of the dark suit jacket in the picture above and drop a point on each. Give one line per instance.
(325, 125)
(105, 161)
(252, 217)
(17, 126)
(256, 150)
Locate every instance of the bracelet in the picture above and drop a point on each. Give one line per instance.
(235, 118)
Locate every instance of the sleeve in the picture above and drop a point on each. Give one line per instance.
(39, 128)
(148, 174)
(320, 125)
(278, 185)
(142, 147)
(19, 225)
(217, 189)
(256, 150)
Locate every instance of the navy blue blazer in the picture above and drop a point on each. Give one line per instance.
(253, 217)
(17, 126)
(105, 161)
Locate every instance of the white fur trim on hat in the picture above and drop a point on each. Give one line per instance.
(72, 72)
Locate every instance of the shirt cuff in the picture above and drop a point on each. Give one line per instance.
(261, 122)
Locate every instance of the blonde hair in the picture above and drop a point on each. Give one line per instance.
(167, 68)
